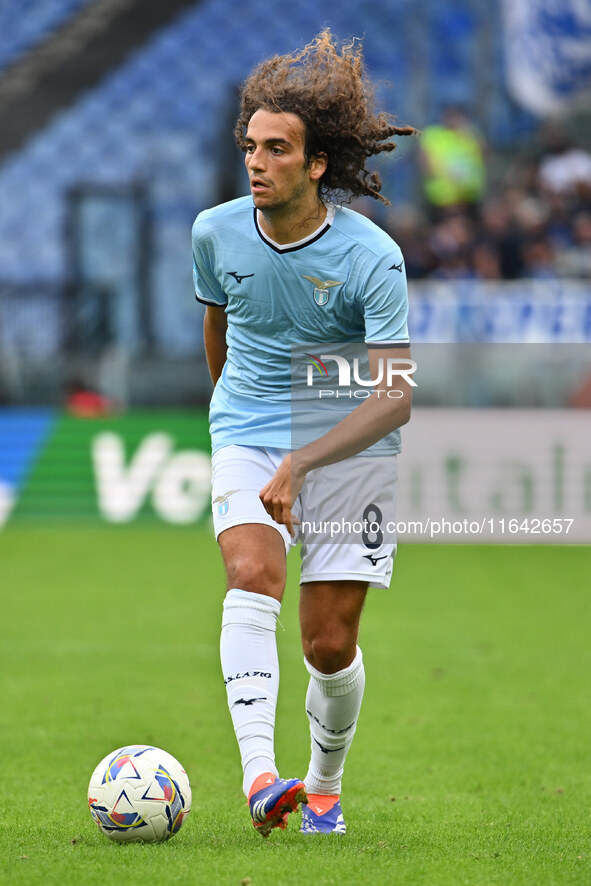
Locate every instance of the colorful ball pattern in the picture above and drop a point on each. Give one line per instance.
(139, 793)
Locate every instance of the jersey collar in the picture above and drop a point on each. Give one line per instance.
(299, 244)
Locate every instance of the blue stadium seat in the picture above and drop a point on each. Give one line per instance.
(159, 119)
(26, 22)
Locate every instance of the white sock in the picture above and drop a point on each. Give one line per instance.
(248, 652)
(333, 703)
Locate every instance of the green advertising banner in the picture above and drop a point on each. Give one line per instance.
(140, 466)
(462, 476)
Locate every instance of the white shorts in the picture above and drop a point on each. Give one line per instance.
(346, 511)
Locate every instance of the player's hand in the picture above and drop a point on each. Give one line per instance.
(280, 493)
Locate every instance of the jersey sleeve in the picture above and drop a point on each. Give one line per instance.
(207, 287)
(385, 301)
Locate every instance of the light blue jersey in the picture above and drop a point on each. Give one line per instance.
(344, 283)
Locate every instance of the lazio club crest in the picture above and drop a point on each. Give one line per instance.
(222, 502)
(321, 288)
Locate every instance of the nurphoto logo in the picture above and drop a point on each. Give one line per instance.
(389, 370)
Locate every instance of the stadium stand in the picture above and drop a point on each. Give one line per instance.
(25, 23)
(158, 123)
(73, 59)
(161, 108)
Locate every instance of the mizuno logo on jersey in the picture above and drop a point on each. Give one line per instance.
(239, 277)
(374, 560)
(397, 267)
(321, 288)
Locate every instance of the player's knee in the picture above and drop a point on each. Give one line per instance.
(256, 575)
(329, 652)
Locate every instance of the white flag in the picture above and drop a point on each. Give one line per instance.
(548, 54)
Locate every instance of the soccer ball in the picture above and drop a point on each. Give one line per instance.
(139, 794)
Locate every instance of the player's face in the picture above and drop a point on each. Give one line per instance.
(280, 177)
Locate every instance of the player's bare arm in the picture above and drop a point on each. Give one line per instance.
(369, 422)
(215, 324)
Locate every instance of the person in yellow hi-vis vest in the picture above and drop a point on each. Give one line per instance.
(452, 155)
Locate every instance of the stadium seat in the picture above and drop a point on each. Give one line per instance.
(26, 23)
(157, 119)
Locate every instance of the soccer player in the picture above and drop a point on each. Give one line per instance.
(283, 266)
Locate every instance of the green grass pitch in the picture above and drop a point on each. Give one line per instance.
(471, 764)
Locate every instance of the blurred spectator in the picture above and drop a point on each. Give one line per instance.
(574, 260)
(410, 229)
(499, 229)
(539, 259)
(486, 261)
(452, 160)
(451, 242)
(84, 402)
(564, 168)
(559, 221)
(536, 224)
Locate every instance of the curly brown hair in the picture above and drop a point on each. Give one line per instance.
(327, 86)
